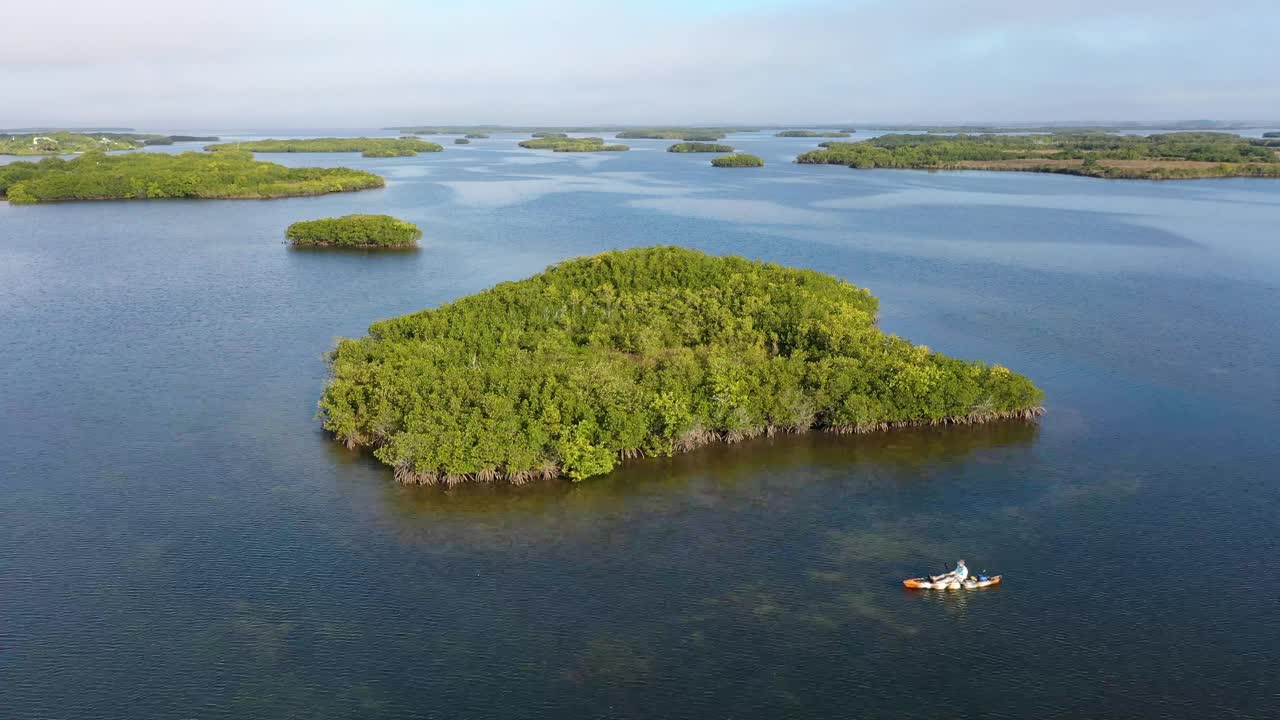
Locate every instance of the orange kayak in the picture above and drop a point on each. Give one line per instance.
(973, 583)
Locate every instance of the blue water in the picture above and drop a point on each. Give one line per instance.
(179, 539)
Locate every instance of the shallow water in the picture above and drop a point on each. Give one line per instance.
(178, 538)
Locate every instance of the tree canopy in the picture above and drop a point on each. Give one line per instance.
(639, 352)
(810, 134)
(372, 147)
(703, 134)
(67, 143)
(70, 142)
(699, 147)
(1165, 155)
(355, 231)
(568, 144)
(227, 174)
(739, 160)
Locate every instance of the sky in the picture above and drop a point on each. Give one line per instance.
(327, 63)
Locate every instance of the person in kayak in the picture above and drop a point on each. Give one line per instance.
(961, 573)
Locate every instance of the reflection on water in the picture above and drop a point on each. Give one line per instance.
(740, 472)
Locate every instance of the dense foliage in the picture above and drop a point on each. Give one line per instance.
(701, 134)
(1272, 134)
(227, 174)
(171, 139)
(1167, 155)
(360, 231)
(387, 152)
(580, 144)
(810, 134)
(740, 160)
(379, 147)
(66, 143)
(1068, 128)
(699, 147)
(640, 352)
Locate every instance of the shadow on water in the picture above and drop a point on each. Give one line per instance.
(764, 480)
(321, 249)
(875, 459)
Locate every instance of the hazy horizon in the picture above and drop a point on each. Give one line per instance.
(567, 62)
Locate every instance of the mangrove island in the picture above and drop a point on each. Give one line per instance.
(701, 134)
(222, 175)
(810, 134)
(67, 143)
(651, 351)
(740, 160)
(1154, 157)
(568, 144)
(461, 141)
(354, 231)
(699, 147)
(371, 147)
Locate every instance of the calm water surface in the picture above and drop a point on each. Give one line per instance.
(179, 539)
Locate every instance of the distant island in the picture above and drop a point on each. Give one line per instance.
(189, 138)
(742, 160)
(386, 152)
(1272, 134)
(642, 132)
(354, 231)
(1155, 157)
(699, 147)
(463, 129)
(64, 143)
(547, 134)
(69, 143)
(141, 176)
(461, 141)
(477, 136)
(650, 351)
(700, 134)
(810, 134)
(1071, 128)
(371, 147)
(566, 144)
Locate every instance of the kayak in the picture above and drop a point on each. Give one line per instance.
(973, 583)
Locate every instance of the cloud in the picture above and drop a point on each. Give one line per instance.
(311, 64)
